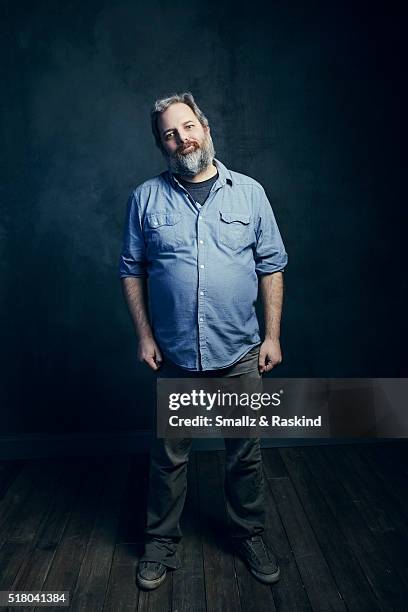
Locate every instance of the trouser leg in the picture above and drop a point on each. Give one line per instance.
(244, 484)
(244, 487)
(168, 480)
(166, 497)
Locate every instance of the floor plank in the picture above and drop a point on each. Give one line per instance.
(222, 592)
(289, 593)
(17, 493)
(391, 467)
(386, 584)
(335, 516)
(188, 581)
(24, 519)
(121, 594)
(320, 585)
(344, 566)
(90, 588)
(254, 596)
(37, 566)
(68, 557)
(383, 519)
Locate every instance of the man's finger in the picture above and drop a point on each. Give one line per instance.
(268, 364)
(261, 359)
(151, 362)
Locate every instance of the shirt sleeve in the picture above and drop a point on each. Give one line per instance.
(270, 254)
(133, 260)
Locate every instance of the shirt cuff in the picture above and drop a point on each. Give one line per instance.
(268, 266)
(130, 267)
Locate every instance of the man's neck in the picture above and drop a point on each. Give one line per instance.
(209, 172)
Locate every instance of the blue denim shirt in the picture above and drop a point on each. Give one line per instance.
(202, 264)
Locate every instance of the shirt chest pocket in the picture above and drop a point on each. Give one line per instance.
(163, 231)
(234, 229)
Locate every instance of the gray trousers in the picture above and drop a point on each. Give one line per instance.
(244, 486)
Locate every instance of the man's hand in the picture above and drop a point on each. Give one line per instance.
(269, 355)
(149, 352)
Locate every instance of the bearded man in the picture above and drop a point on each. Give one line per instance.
(198, 238)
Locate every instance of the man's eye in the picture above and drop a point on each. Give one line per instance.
(169, 135)
(190, 126)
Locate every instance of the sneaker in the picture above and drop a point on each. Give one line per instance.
(150, 574)
(261, 562)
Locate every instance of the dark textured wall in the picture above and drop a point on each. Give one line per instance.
(304, 97)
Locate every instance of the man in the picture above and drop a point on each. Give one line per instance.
(201, 236)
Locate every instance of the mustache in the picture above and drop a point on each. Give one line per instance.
(187, 145)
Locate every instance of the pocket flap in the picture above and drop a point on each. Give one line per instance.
(158, 219)
(230, 217)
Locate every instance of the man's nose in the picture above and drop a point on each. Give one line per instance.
(182, 136)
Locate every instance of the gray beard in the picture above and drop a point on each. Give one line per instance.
(193, 163)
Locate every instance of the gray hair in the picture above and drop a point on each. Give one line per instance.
(163, 104)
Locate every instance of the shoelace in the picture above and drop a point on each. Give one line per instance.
(153, 565)
(256, 547)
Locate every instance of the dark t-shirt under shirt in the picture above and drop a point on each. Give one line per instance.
(198, 191)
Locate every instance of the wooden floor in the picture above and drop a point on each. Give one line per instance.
(336, 517)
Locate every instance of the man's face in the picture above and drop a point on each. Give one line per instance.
(188, 146)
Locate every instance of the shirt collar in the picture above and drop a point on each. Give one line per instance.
(224, 175)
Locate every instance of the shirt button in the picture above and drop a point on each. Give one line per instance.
(201, 241)
(201, 292)
(201, 319)
(202, 266)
